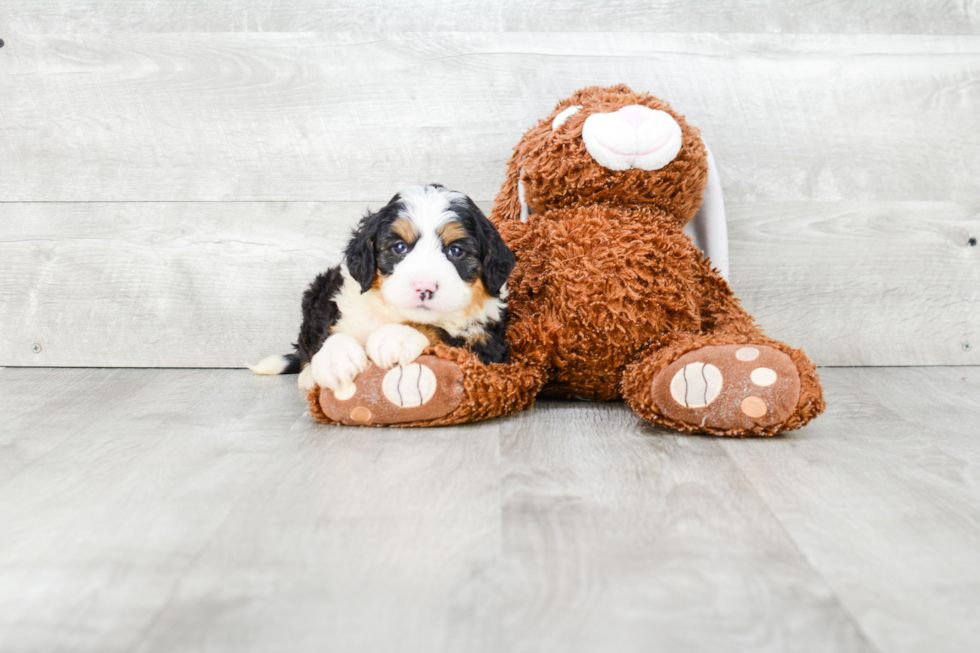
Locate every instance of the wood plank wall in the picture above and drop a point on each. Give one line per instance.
(173, 173)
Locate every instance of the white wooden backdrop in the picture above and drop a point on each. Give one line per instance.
(172, 174)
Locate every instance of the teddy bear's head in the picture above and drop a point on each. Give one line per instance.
(607, 145)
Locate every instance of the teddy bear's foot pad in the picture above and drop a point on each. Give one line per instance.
(427, 389)
(729, 387)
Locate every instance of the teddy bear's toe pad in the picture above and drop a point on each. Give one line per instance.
(427, 389)
(729, 387)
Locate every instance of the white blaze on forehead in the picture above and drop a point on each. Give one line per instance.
(428, 207)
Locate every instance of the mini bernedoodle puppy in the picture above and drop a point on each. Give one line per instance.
(429, 267)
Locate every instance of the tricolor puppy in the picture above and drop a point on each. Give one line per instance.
(427, 268)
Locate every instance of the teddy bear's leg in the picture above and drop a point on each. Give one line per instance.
(725, 384)
(443, 386)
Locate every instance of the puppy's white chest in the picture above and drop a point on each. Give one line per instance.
(359, 324)
(361, 314)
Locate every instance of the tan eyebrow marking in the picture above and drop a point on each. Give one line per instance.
(451, 231)
(405, 229)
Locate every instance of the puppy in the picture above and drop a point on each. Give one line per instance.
(427, 268)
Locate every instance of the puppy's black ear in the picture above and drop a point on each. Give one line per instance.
(498, 263)
(359, 254)
(495, 257)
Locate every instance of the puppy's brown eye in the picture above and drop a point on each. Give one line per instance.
(455, 252)
(400, 248)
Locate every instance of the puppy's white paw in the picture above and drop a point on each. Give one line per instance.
(395, 344)
(305, 380)
(340, 359)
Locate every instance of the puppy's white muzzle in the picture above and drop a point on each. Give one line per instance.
(636, 136)
(425, 285)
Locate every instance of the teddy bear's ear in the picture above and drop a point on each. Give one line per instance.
(507, 204)
(709, 228)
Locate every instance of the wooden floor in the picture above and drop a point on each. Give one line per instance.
(192, 510)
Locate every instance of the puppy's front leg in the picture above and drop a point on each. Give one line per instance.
(395, 344)
(340, 359)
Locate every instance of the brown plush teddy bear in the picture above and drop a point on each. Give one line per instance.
(609, 299)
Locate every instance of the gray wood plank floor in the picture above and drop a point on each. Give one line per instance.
(201, 510)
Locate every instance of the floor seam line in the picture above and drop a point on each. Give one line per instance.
(806, 559)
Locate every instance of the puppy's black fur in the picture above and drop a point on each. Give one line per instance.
(494, 261)
(370, 251)
(320, 313)
(494, 349)
(361, 253)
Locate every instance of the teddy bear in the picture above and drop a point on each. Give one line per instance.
(609, 299)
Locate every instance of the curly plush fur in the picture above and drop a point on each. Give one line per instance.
(608, 291)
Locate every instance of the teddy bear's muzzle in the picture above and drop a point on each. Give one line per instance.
(635, 136)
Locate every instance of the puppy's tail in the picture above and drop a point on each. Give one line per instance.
(288, 364)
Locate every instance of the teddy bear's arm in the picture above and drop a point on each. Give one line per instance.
(446, 385)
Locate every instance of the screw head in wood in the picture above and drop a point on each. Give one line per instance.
(36, 348)
(1, 43)
(972, 242)
(967, 346)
